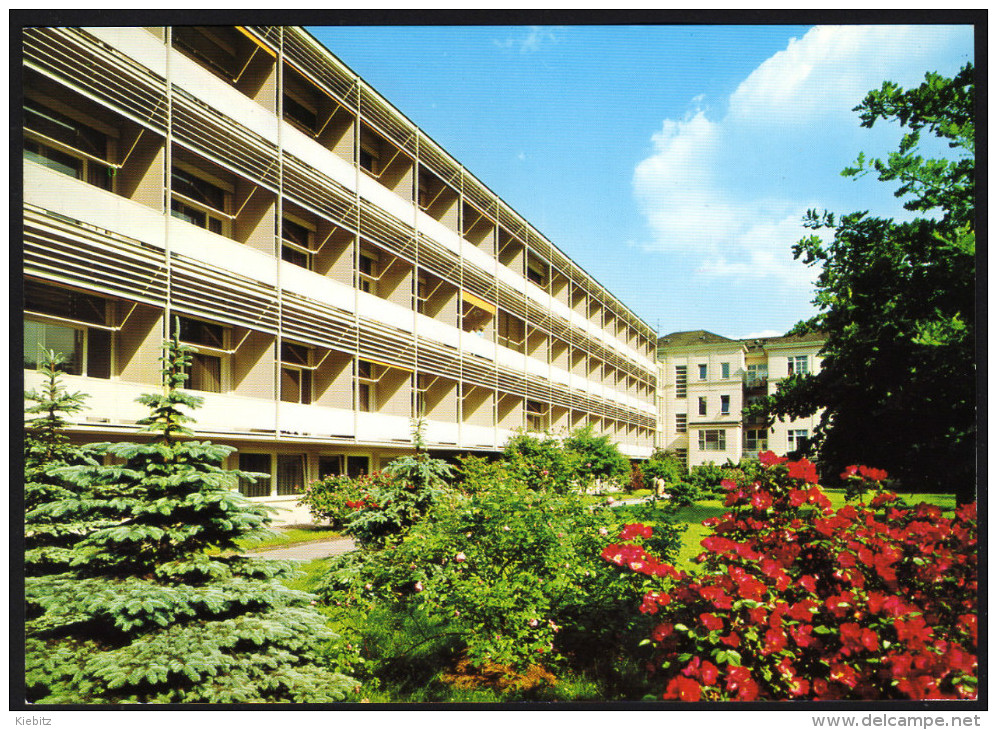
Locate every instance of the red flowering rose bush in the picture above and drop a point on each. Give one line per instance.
(797, 600)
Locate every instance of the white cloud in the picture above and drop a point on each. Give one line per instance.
(531, 41)
(762, 333)
(729, 193)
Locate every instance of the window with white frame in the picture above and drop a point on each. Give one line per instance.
(702, 406)
(70, 323)
(536, 415)
(200, 198)
(296, 242)
(725, 370)
(366, 381)
(295, 373)
(798, 365)
(330, 465)
(368, 270)
(755, 440)
(725, 405)
(713, 439)
(208, 370)
(756, 373)
(796, 439)
(65, 144)
(702, 371)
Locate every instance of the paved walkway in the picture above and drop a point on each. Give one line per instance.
(308, 551)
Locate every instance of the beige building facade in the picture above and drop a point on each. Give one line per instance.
(706, 380)
(338, 273)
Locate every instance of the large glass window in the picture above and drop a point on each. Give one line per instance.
(55, 320)
(296, 244)
(259, 464)
(290, 474)
(755, 440)
(207, 368)
(796, 439)
(367, 271)
(66, 145)
(295, 375)
(713, 440)
(62, 339)
(366, 387)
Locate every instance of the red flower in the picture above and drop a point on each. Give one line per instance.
(761, 500)
(804, 470)
(802, 635)
(728, 484)
(849, 471)
(739, 680)
(711, 622)
(683, 688)
(775, 640)
(797, 497)
(845, 675)
(636, 529)
(873, 475)
(662, 631)
(768, 458)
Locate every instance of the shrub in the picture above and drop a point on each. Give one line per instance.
(596, 457)
(512, 573)
(682, 494)
(799, 601)
(373, 508)
(637, 478)
(145, 613)
(540, 462)
(664, 464)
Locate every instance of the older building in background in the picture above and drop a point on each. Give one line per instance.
(706, 380)
(337, 272)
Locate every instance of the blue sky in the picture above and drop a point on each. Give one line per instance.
(673, 163)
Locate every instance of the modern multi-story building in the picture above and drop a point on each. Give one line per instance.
(338, 273)
(706, 380)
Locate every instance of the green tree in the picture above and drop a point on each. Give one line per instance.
(49, 533)
(596, 456)
(145, 613)
(896, 301)
(540, 462)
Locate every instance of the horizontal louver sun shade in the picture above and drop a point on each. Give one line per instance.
(479, 283)
(387, 232)
(480, 197)
(319, 193)
(439, 260)
(314, 62)
(477, 370)
(386, 344)
(269, 34)
(509, 381)
(445, 167)
(387, 120)
(314, 323)
(538, 388)
(222, 139)
(511, 300)
(435, 358)
(207, 291)
(103, 73)
(93, 259)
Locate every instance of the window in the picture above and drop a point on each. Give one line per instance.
(290, 473)
(798, 365)
(755, 440)
(295, 245)
(370, 152)
(725, 405)
(535, 415)
(680, 381)
(357, 466)
(756, 374)
(300, 114)
(55, 319)
(796, 439)
(259, 464)
(702, 371)
(702, 406)
(725, 370)
(713, 440)
(510, 332)
(366, 386)
(330, 466)
(198, 201)
(207, 363)
(367, 271)
(65, 145)
(681, 422)
(295, 375)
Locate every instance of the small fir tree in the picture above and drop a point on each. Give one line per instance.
(49, 533)
(146, 613)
